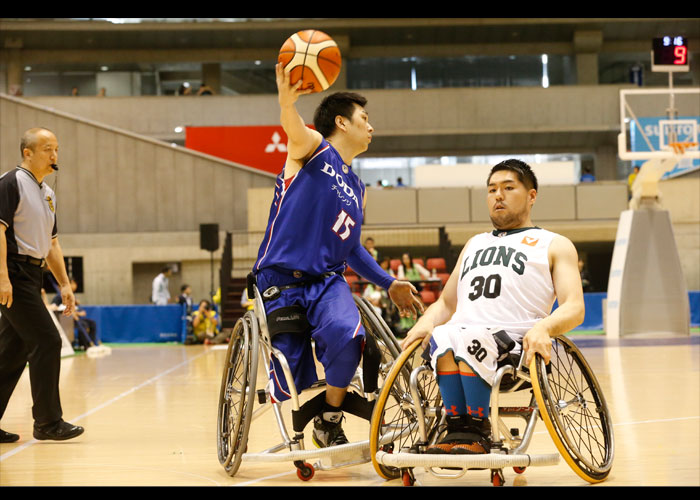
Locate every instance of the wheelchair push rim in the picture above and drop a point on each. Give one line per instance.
(395, 400)
(236, 398)
(573, 408)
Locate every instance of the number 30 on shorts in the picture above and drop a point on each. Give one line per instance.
(477, 351)
(489, 287)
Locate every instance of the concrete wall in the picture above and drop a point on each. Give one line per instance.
(112, 180)
(127, 202)
(681, 197)
(429, 122)
(583, 202)
(585, 213)
(431, 111)
(125, 199)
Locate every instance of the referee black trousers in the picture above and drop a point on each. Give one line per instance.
(29, 335)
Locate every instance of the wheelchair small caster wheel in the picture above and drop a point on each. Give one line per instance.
(497, 478)
(519, 470)
(407, 478)
(305, 471)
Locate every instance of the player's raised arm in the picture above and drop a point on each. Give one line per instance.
(302, 140)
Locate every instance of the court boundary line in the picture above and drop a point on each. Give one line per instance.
(109, 402)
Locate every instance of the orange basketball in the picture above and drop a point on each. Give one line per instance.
(312, 57)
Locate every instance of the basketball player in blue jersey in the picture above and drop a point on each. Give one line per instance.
(499, 296)
(313, 233)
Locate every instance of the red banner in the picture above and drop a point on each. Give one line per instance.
(262, 147)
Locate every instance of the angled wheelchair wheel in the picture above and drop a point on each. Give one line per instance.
(237, 395)
(387, 345)
(574, 411)
(376, 326)
(407, 409)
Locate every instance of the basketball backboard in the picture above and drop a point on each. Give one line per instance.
(660, 123)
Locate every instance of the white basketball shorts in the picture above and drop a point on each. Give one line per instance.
(476, 346)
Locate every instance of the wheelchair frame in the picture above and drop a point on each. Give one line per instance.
(577, 419)
(239, 392)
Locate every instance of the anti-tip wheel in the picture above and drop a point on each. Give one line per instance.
(305, 471)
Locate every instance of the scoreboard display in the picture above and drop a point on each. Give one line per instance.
(670, 53)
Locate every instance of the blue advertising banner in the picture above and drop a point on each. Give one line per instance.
(650, 128)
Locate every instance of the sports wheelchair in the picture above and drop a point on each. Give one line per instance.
(408, 417)
(244, 394)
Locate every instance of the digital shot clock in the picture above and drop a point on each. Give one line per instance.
(670, 53)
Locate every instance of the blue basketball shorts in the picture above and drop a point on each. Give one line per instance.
(335, 327)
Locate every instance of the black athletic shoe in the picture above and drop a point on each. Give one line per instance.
(464, 435)
(328, 432)
(478, 437)
(8, 437)
(57, 432)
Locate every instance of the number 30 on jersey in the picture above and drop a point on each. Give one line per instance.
(489, 287)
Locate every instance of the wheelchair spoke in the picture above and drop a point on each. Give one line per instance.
(575, 411)
(586, 440)
(406, 414)
(237, 393)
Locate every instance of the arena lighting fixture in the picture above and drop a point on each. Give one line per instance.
(178, 129)
(545, 73)
(104, 68)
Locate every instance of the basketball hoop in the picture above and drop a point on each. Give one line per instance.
(680, 147)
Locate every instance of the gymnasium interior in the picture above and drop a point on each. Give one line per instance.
(170, 145)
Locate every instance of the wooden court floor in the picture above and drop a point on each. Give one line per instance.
(150, 418)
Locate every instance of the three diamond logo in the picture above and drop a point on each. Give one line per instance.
(276, 145)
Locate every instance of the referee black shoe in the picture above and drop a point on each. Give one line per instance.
(8, 437)
(57, 432)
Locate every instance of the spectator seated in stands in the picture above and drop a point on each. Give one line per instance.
(385, 264)
(369, 245)
(410, 270)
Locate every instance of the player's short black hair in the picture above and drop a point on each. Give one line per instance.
(339, 103)
(521, 169)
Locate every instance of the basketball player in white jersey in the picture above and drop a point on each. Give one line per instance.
(504, 283)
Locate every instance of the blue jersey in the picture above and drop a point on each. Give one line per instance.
(315, 218)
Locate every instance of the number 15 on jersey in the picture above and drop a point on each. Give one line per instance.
(343, 225)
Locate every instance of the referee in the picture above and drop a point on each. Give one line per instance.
(28, 241)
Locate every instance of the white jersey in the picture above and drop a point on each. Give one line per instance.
(505, 280)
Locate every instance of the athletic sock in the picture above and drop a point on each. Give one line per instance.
(452, 393)
(477, 395)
